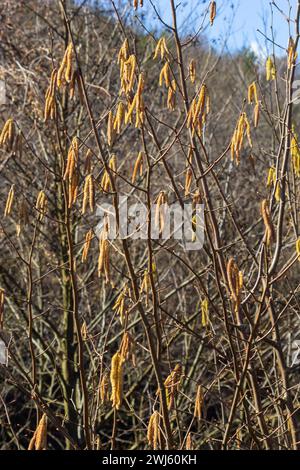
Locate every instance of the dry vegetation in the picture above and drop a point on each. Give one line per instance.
(140, 344)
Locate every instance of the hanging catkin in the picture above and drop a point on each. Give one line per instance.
(39, 439)
(116, 380)
(269, 227)
(212, 12)
(9, 201)
(153, 430)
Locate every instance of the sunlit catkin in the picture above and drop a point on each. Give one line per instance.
(120, 305)
(165, 75)
(110, 128)
(192, 71)
(9, 201)
(252, 93)
(8, 134)
(242, 128)
(204, 312)
(103, 259)
(153, 431)
(171, 99)
(86, 246)
(295, 152)
(65, 69)
(189, 444)
(138, 167)
(212, 12)
(116, 380)
(161, 48)
(270, 69)
(50, 103)
(269, 227)
(39, 439)
(198, 111)
(72, 159)
(120, 114)
(198, 408)
(88, 194)
(172, 384)
(292, 54)
(41, 205)
(298, 248)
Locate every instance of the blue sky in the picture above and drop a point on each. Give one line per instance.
(237, 20)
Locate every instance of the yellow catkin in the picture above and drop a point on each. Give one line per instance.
(171, 99)
(88, 162)
(120, 305)
(269, 228)
(295, 152)
(172, 384)
(137, 105)
(271, 176)
(189, 445)
(63, 65)
(192, 71)
(165, 75)
(103, 259)
(127, 346)
(277, 191)
(41, 204)
(39, 439)
(252, 93)
(120, 114)
(116, 380)
(127, 74)
(138, 166)
(88, 194)
(124, 52)
(110, 128)
(9, 201)
(72, 159)
(73, 189)
(161, 49)
(292, 54)
(198, 403)
(270, 69)
(153, 430)
(204, 312)
(50, 104)
(86, 246)
(242, 128)
(212, 12)
(198, 111)
(298, 248)
(68, 70)
(8, 134)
